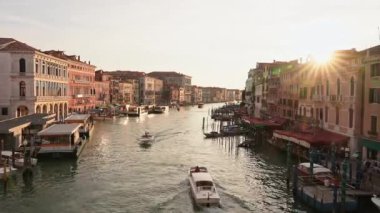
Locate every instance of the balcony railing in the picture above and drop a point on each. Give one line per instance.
(336, 98)
(51, 98)
(317, 98)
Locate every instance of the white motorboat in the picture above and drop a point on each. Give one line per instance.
(146, 138)
(376, 201)
(202, 187)
(19, 158)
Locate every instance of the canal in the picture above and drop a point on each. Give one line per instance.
(116, 174)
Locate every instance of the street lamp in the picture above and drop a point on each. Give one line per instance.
(25, 143)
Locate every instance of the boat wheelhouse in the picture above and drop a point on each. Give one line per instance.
(61, 140)
(322, 174)
(86, 121)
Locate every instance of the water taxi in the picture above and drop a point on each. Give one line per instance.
(159, 109)
(212, 134)
(61, 140)
(202, 187)
(135, 111)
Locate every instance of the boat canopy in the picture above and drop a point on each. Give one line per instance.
(60, 129)
(201, 176)
(307, 165)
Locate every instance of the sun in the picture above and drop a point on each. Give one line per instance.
(322, 57)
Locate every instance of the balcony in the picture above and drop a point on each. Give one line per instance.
(82, 96)
(349, 99)
(50, 98)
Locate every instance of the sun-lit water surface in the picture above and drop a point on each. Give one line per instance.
(116, 174)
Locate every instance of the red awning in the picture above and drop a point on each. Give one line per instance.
(307, 139)
(273, 122)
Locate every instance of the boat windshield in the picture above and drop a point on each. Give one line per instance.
(203, 183)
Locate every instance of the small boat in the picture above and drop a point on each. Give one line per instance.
(159, 109)
(200, 105)
(375, 200)
(9, 171)
(202, 187)
(146, 138)
(212, 134)
(19, 158)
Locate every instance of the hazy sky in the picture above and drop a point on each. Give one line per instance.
(214, 41)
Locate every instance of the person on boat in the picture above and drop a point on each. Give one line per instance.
(146, 134)
(197, 169)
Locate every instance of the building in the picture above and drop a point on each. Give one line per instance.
(196, 95)
(371, 103)
(126, 93)
(150, 89)
(102, 96)
(81, 76)
(31, 81)
(174, 79)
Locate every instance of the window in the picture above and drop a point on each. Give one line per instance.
(374, 124)
(311, 112)
(22, 88)
(337, 115)
(4, 111)
(321, 114)
(36, 67)
(374, 95)
(22, 65)
(352, 86)
(326, 114)
(327, 88)
(375, 70)
(338, 86)
(37, 91)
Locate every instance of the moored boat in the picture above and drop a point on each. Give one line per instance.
(322, 174)
(200, 105)
(212, 134)
(202, 187)
(19, 158)
(85, 119)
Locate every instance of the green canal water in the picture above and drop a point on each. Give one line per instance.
(116, 174)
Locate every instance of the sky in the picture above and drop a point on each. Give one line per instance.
(214, 41)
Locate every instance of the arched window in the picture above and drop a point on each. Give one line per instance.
(22, 65)
(326, 114)
(22, 88)
(338, 86)
(352, 86)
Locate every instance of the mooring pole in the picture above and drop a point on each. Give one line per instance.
(203, 123)
(288, 163)
(344, 182)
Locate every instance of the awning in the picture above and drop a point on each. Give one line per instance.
(370, 143)
(308, 139)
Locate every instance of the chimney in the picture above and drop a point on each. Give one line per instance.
(78, 57)
(89, 62)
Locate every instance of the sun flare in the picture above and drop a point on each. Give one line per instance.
(322, 57)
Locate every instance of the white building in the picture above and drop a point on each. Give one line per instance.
(31, 81)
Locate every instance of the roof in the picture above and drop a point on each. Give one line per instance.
(201, 176)
(60, 129)
(78, 117)
(10, 44)
(318, 138)
(10, 125)
(165, 74)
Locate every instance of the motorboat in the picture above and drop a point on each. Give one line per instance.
(376, 200)
(19, 158)
(146, 138)
(202, 187)
(159, 109)
(200, 105)
(7, 169)
(322, 174)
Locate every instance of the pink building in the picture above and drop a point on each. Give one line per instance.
(81, 82)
